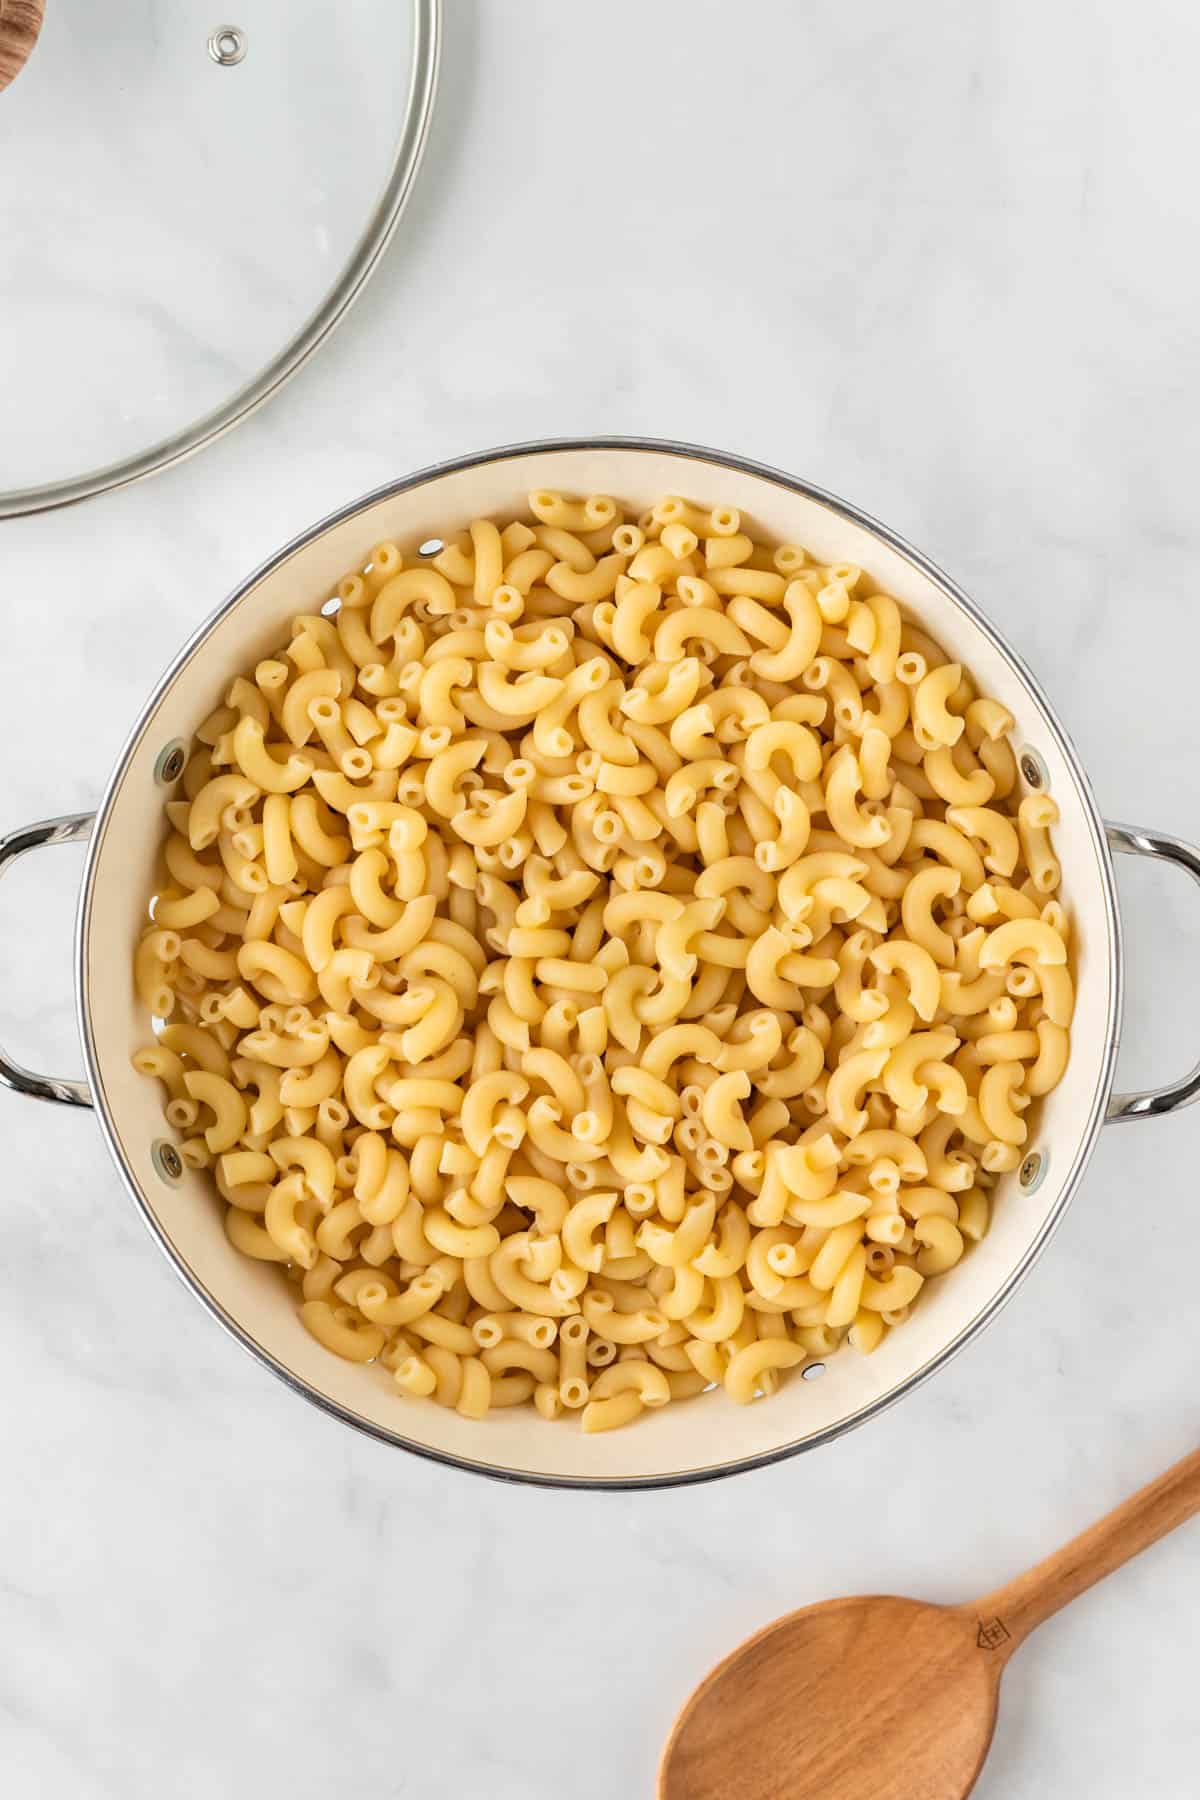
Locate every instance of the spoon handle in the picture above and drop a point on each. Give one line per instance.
(1007, 1616)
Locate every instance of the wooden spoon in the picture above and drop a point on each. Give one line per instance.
(884, 1699)
(20, 22)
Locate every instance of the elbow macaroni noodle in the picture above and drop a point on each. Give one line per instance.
(606, 960)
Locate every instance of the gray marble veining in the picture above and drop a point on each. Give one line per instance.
(943, 260)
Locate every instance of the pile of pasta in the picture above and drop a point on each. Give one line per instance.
(604, 960)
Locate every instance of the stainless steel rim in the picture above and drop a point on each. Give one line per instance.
(427, 38)
(1115, 970)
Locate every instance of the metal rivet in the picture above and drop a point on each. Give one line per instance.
(166, 1159)
(227, 45)
(431, 547)
(1033, 1171)
(812, 1371)
(171, 762)
(1034, 769)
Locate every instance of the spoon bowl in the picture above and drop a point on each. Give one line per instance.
(872, 1698)
(878, 1698)
(20, 23)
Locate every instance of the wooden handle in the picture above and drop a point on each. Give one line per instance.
(20, 22)
(1007, 1616)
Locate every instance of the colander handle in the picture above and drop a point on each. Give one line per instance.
(75, 828)
(1131, 840)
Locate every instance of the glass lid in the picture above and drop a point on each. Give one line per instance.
(193, 193)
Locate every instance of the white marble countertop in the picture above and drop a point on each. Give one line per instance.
(942, 260)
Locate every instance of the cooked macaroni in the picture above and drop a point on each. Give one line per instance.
(605, 960)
